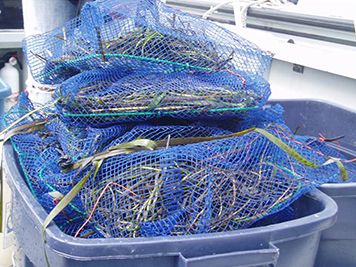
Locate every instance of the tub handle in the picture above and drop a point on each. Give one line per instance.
(259, 257)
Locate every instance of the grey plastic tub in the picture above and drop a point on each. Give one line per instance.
(292, 243)
(338, 244)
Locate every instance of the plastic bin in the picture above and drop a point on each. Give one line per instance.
(292, 243)
(5, 248)
(338, 244)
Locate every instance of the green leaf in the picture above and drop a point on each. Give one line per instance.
(291, 152)
(71, 195)
(24, 129)
(193, 140)
(343, 171)
(27, 115)
(124, 148)
(340, 165)
(64, 202)
(156, 101)
(137, 144)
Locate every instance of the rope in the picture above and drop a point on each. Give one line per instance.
(214, 8)
(260, 3)
(241, 13)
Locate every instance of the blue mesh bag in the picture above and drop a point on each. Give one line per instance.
(261, 117)
(37, 153)
(183, 185)
(205, 187)
(77, 142)
(141, 35)
(105, 97)
(163, 115)
(43, 152)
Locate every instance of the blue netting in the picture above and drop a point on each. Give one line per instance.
(210, 186)
(331, 151)
(82, 142)
(37, 154)
(142, 35)
(261, 117)
(108, 96)
(133, 71)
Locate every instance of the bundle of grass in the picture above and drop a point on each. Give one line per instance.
(103, 97)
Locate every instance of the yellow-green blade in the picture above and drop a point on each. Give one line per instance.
(291, 152)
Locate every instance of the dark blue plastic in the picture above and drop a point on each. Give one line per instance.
(310, 117)
(338, 244)
(5, 91)
(293, 243)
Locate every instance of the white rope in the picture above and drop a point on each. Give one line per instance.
(214, 8)
(260, 3)
(241, 15)
(237, 13)
(247, 6)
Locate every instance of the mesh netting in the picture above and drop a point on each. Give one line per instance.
(104, 97)
(261, 117)
(212, 186)
(83, 142)
(142, 35)
(36, 152)
(147, 105)
(209, 186)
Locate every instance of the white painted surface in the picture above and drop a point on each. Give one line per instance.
(334, 8)
(11, 38)
(312, 84)
(329, 57)
(44, 15)
(5, 255)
